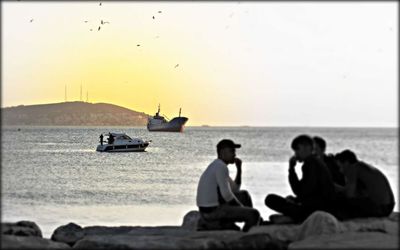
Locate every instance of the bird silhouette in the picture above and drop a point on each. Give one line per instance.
(91, 29)
(138, 45)
(31, 20)
(154, 17)
(98, 28)
(159, 11)
(86, 21)
(176, 65)
(99, 4)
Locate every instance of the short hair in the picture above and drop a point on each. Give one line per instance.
(320, 142)
(302, 139)
(346, 156)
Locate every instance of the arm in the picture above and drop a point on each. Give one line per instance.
(293, 179)
(309, 180)
(224, 186)
(238, 179)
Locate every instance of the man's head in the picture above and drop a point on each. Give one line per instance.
(226, 150)
(319, 146)
(345, 159)
(302, 146)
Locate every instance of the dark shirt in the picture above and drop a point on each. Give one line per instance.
(316, 188)
(337, 176)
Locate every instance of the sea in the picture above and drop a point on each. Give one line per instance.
(53, 175)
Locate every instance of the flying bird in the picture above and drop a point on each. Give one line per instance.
(154, 17)
(99, 4)
(31, 20)
(86, 21)
(138, 45)
(104, 22)
(91, 29)
(98, 28)
(176, 65)
(159, 11)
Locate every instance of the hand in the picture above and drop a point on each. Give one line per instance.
(238, 163)
(292, 161)
(291, 198)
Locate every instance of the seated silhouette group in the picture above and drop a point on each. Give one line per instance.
(340, 184)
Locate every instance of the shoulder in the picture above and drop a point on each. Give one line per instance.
(219, 165)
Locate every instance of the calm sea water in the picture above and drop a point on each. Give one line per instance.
(53, 175)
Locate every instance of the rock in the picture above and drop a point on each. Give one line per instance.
(283, 233)
(190, 220)
(147, 242)
(394, 216)
(30, 242)
(352, 240)
(69, 234)
(21, 228)
(319, 223)
(256, 241)
(385, 225)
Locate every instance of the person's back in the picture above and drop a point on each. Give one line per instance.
(367, 191)
(207, 189)
(373, 183)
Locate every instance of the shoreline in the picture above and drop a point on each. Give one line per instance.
(319, 230)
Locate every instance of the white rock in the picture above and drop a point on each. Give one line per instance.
(319, 223)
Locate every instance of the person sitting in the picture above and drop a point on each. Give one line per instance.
(328, 159)
(315, 191)
(220, 201)
(367, 191)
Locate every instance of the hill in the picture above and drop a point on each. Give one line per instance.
(73, 114)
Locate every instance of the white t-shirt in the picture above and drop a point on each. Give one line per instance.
(215, 176)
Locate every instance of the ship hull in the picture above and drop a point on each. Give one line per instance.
(175, 125)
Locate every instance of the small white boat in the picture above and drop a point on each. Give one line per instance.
(120, 142)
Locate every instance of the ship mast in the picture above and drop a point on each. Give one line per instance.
(180, 112)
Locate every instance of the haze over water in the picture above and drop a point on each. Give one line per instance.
(53, 175)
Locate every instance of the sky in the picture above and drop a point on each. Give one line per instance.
(224, 63)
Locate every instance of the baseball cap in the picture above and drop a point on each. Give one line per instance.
(226, 143)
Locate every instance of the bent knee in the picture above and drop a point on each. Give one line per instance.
(272, 199)
(268, 199)
(255, 214)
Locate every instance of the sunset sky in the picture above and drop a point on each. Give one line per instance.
(224, 63)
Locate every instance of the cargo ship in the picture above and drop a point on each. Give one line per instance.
(160, 123)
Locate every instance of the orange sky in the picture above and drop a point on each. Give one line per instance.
(260, 64)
